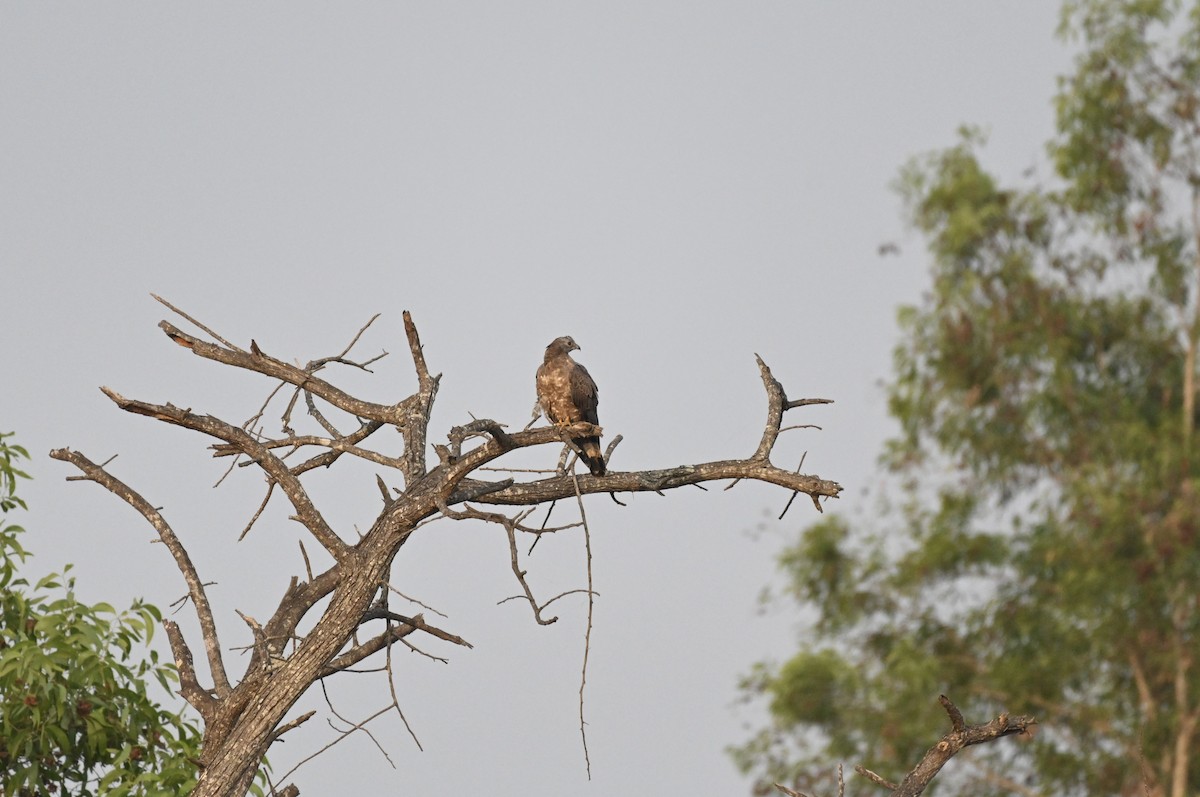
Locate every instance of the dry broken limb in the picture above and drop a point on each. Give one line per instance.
(961, 735)
(244, 714)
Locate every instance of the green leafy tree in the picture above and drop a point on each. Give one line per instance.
(75, 716)
(1044, 557)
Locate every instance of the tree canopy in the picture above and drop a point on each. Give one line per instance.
(1042, 553)
(76, 716)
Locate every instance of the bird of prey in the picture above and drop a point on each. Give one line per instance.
(568, 395)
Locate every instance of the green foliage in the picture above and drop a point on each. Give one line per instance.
(811, 688)
(9, 473)
(75, 716)
(1045, 557)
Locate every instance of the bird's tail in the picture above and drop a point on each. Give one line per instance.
(592, 455)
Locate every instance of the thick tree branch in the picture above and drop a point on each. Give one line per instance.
(256, 360)
(658, 480)
(297, 600)
(417, 409)
(208, 627)
(777, 404)
(189, 687)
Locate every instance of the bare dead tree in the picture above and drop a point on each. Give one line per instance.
(960, 735)
(243, 716)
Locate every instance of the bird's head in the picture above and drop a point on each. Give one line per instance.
(564, 344)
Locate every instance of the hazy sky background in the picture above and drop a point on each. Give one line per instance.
(677, 185)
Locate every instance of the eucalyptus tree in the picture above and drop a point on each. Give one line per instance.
(1042, 551)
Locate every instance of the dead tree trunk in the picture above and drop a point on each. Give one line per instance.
(243, 717)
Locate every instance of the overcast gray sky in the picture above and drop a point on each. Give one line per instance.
(678, 185)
